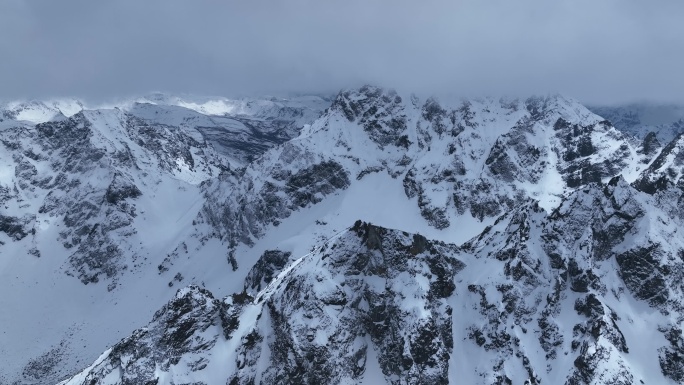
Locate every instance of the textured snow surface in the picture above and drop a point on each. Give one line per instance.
(520, 251)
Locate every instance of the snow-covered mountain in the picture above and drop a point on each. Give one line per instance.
(393, 239)
(666, 120)
(588, 294)
(462, 162)
(39, 111)
(88, 203)
(239, 128)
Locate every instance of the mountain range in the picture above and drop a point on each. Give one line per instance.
(368, 237)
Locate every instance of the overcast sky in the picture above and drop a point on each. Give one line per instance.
(600, 51)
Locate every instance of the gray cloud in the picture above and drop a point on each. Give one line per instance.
(598, 51)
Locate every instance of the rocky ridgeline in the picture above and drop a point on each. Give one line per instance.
(474, 158)
(372, 288)
(87, 172)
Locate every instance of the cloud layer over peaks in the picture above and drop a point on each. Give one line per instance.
(598, 51)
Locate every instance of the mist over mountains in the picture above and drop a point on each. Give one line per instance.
(609, 52)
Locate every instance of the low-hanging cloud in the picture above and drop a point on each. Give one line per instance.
(603, 51)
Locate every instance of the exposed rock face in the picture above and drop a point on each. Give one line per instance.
(379, 112)
(71, 170)
(672, 357)
(177, 336)
(266, 269)
(651, 145)
(579, 147)
(15, 228)
(252, 206)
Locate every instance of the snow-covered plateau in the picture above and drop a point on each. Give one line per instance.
(365, 238)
